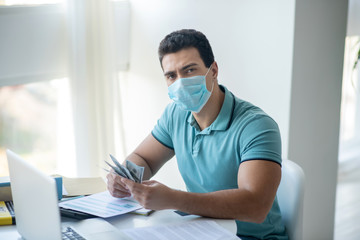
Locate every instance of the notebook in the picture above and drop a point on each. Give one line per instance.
(36, 206)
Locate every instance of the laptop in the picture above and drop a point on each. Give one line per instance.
(37, 211)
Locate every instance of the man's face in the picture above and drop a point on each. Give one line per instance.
(183, 64)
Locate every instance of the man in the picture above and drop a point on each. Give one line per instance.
(228, 150)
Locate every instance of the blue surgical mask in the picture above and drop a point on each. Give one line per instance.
(190, 93)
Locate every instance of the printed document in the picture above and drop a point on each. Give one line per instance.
(102, 204)
(190, 230)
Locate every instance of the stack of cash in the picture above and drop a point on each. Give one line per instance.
(130, 171)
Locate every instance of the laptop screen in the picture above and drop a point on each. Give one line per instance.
(35, 200)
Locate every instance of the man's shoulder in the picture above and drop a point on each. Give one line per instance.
(245, 111)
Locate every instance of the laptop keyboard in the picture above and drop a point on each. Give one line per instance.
(69, 233)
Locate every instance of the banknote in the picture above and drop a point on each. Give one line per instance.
(125, 172)
(136, 171)
(116, 169)
(130, 171)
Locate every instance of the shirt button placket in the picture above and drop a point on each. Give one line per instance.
(196, 145)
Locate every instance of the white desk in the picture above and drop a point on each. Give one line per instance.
(127, 221)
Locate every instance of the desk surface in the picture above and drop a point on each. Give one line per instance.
(163, 217)
(127, 221)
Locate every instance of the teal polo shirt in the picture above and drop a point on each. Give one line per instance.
(209, 160)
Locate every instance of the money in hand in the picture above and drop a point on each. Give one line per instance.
(136, 171)
(124, 172)
(131, 171)
(117, 170)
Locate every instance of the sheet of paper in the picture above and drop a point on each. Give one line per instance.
(191, 230)
(102, 204)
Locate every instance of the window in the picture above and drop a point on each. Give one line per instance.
(35, 111)
(36, 123)
(350, 103)
(28, 2)
(39, 43)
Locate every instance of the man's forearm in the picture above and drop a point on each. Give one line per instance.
(229, 204)
(240, 204)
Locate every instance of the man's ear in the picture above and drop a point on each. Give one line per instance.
(214, 70)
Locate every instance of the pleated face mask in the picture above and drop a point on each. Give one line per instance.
(190, 93)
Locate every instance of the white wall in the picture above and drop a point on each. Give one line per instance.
(252, 43)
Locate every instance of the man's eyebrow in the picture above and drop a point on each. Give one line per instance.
(168, 73)
(182, 69)
(188, 66)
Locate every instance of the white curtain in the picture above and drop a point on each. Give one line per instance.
(94, 85)
(350, 103)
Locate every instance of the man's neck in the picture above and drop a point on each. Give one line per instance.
(211, 110)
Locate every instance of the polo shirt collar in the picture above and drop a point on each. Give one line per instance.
(223, 120)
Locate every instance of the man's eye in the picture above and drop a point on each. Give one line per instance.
(190, 70)
(170, 76)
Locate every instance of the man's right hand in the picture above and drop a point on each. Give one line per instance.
(116, 187)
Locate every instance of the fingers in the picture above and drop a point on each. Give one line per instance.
(128, 184)
(116, 187)
(119, 194)
(138, 187)
(137, 190)
(119, 183)
(150, 194)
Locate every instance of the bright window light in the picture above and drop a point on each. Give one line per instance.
(350, 90)
(36, 123)
(28, 2)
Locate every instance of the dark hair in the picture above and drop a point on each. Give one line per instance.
(186, 38)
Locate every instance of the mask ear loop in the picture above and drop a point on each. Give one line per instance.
(212, 88)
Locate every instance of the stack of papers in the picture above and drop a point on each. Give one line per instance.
(102, 205)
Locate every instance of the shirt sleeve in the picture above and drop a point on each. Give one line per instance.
(162, 130)
(261, 140)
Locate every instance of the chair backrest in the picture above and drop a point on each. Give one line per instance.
(290, 196)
